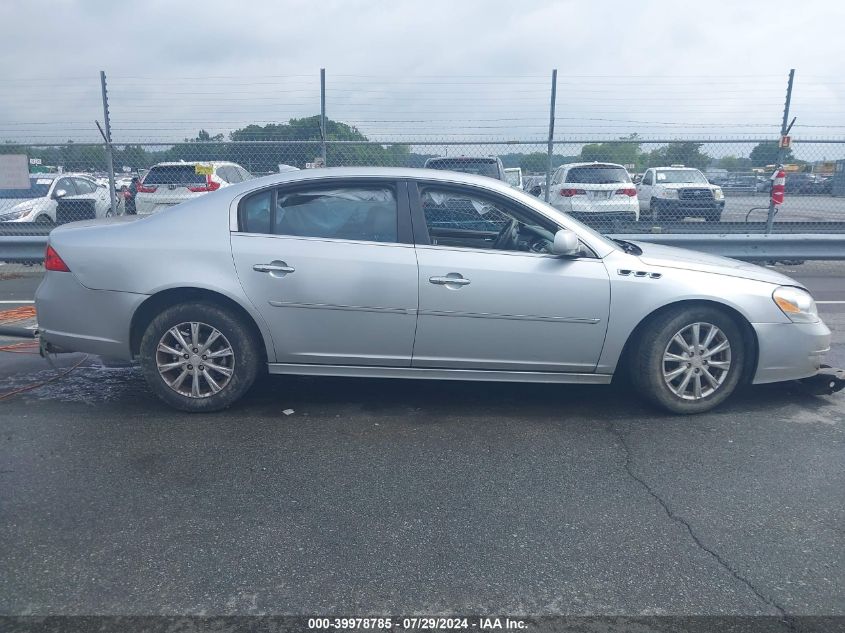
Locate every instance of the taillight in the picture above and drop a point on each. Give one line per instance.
(209, 185)
(52, 261)
(142, 188)
(628, 191)
(568, 193)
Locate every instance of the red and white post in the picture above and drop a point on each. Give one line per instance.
(778, 186)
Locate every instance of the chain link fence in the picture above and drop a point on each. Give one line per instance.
(681, 182)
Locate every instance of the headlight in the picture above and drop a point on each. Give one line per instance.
(16, 215)
(718, 194)
(797, 304)
(668, 193)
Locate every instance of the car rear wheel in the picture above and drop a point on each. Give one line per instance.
(688, 360)
(199, 357)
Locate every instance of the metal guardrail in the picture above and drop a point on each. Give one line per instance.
(752, 247)
(25, 242)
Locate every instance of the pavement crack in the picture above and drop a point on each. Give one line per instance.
(620, 436)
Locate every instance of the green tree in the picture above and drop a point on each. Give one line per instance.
(766, 153)
(622, 153)
(680, 153)
(733, 163)
(266, 156)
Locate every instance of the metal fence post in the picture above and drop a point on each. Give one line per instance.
(323, 115)
(109, 156)
(551, 133)
(770, 220)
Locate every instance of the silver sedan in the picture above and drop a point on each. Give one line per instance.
(413, 273)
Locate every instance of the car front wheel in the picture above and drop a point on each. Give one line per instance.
(199, 357)
(688, 360)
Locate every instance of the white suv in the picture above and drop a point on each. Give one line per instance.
(594, 192)
(167, 184)
(40, 203)
(677, 192)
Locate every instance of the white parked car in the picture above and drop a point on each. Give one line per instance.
(594, 192)
(678, 192)
(167, 184)
(40, 203)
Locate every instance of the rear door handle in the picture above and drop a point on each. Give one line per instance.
(449, 281)
(282, 268)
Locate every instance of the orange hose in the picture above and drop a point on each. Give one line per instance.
(17, 314)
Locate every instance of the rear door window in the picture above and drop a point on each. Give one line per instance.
(84, 186)
(348, 213)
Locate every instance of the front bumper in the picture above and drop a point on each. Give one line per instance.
(789, 351)
(687, 207)
(72, 317)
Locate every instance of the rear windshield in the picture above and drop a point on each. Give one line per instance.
(598, 175)
(174, 175)
(480, 167)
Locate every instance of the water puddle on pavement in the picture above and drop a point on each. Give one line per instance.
(91, 383)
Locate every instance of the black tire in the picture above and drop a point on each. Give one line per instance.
(44, 219)
(647, 365)
(246, 358)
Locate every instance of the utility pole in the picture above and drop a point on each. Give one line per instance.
(551, 134)
(785, 126)
(109, 156)
(323, 115)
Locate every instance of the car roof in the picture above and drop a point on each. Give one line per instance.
(677, 168)
(54, 176)
(176, 163)
(462, 159)
(593, 164)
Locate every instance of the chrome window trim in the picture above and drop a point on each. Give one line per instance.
(491, 251)
(320, 239)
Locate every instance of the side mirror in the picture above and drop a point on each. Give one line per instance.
(536, 190)
(59, 193)
(566, 244)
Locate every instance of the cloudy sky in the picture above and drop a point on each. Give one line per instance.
(422, 70)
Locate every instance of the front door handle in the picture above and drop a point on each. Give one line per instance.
(449, 280)
(277, 268)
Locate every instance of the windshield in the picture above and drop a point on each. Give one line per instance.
(466, 165)
(38, 188)
(681, 175)
(174, 175)
(598, 175)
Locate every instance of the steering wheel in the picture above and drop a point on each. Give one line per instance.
(507, 236)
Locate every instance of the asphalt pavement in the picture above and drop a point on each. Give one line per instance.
(352, 496)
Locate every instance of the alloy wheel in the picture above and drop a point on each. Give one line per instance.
(696, 361)
(195, 359)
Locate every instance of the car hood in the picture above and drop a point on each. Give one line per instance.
(13, 204)
(683, 259)
(684, 185)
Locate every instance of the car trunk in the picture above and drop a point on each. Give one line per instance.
(172, 183)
